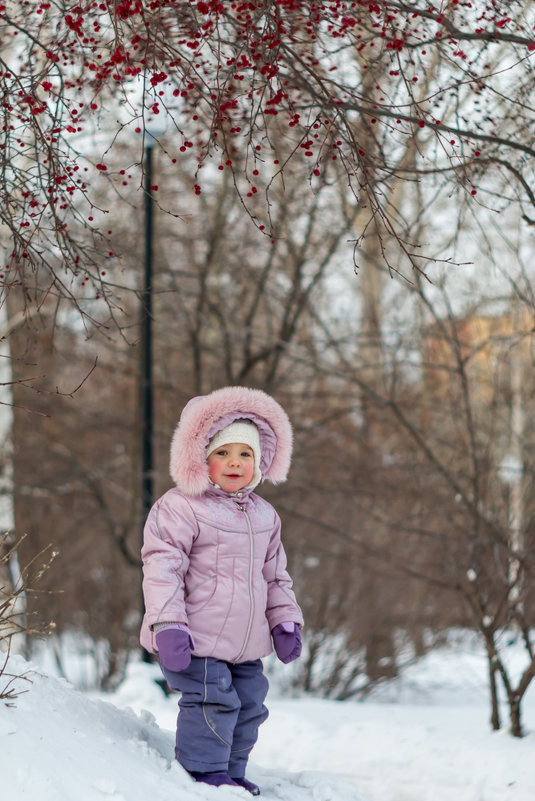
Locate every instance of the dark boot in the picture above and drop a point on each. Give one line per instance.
(216, 778)
(254, 789)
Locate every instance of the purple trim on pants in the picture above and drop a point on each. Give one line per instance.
(220, 710)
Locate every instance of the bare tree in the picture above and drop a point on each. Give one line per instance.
(444, 514)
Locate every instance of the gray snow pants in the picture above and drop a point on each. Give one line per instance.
(220, 710)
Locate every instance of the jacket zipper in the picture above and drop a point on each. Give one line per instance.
(251, 596)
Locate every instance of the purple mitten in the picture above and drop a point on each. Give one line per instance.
(287, 641)
(174, 648)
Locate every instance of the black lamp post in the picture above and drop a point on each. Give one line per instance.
(147, 406)
(147, 384)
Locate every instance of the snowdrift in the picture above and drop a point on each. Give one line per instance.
(61, 745)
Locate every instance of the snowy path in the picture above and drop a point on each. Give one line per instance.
(400, 752)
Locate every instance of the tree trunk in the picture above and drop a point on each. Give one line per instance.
(516, 722)
(495, 710)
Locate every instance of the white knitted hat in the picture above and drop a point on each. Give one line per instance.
(240, 431)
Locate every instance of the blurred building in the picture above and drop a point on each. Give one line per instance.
(490, 353)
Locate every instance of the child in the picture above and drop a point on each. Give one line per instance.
(217, 594)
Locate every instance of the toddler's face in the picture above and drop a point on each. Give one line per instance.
(231, 466)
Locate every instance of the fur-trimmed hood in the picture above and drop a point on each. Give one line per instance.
(203, 416)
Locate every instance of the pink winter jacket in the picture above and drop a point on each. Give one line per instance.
(214, 561)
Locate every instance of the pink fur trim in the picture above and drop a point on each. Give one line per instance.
(198, 423)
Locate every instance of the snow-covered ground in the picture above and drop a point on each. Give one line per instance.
(423, 738)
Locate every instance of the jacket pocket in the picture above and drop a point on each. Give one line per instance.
(200, 594)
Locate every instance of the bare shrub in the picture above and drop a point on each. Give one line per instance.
(16, 584)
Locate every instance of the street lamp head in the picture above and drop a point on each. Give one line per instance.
(151, 113)
(153, 129)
